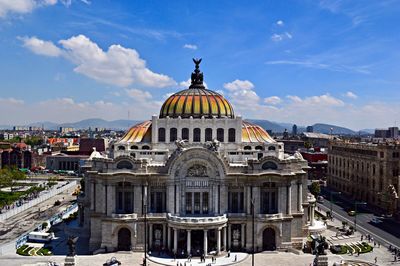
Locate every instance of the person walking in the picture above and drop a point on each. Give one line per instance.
(376, 260)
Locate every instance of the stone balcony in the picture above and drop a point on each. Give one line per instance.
(124, 216)
(270, 216)
(188, 221)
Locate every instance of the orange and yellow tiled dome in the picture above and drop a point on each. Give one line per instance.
(196, 102)
(138, 133)
(253, 133)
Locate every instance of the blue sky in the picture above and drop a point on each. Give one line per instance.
(289, 61)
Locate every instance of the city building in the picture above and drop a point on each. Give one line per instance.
(391, 132)
(292, 145)
(190, 180)
(309, 129)
(15, 155)
(317, 159)
(294, 130)
(367, 172)
(313, 139)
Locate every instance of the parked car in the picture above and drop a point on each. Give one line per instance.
(375, 220)
(351, 213)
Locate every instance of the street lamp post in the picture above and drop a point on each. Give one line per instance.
(355, 213)
(253, 231)
(145, 224)
(333, 192)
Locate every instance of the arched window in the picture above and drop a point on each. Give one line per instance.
(259, 148)
(247, 148)
(220, 134)
(121, 148)
(145, 147)
(231, 135)
(161, 134)
(269, 166)
(173, 134)
(185, 133)
(125, 199)
(134, 147)
(124, 165)
(271, 148)
(133, 154)
(196, 135)
(208, 134)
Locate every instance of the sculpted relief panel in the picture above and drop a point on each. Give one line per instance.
(197, 171)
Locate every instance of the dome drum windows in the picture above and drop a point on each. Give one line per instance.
(208, 134)
(196, 135)
(185, 134)
(231, 135)
(173, 134)
(161, 134)
(220, 134)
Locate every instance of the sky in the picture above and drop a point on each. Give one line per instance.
(303, 62)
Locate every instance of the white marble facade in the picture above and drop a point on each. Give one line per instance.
(194, 187)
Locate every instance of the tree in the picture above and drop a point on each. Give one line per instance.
(10, 176)
(315, 188)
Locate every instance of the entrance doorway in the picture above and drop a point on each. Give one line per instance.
(269, 239)
(197, 242)
(124, 239)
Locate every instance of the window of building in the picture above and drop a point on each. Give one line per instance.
(124, 164)
(196, 202)
(259, 148)
(247, 147)
(220, 134)
(173, 134)
(157, 201)
(196, 135)
(161, 134)
(145, 147)
(134, 147)
(269, 166)
(188, 202)
(121, 148)
(208, 134)
(271, 148)
(205, 203)
(125, 198)
(185, 133)
(235, 202)
(231, 135)
(268, 198)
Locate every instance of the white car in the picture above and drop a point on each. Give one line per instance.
(375, 221)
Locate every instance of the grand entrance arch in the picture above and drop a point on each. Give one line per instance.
(269, 239)
(124, 239)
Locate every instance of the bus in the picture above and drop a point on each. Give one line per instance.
(41, 237)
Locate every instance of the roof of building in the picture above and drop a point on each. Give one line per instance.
(315, 135)
(196, 101)
(251, 133)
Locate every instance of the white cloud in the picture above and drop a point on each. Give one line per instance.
(280, 37)
(350, 95)
(118, 65)
(41, 47)
(190, 46)
(186, 83)
(22, 6)
(138, 95)
(280, 23)
(320, 65)
(325, 100)
(11, 101)
(272, 100)
(238, 85)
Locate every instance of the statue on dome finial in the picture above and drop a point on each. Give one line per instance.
(197, 76)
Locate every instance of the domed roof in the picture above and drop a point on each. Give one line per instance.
(138, 133)
(254, 133)
(196, 101)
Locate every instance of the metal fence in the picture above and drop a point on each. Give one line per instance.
(30, 204)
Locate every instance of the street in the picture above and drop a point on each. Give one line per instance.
(387, 232)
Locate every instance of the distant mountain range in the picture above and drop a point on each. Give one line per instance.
(122, 124)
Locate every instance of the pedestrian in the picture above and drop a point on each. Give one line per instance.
(374, 244)
(379, 244)
(376, 260)
(229, 253)
(235, 257)
(358, 253)
(362, 237)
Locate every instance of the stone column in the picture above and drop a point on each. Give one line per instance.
(205, 244)
(299, 197)
(175, 240)
(169, 237)
(164, 235)
(224, 239)
(242, 234)
(218, 240)
(312, 207)
(288, 200)
(111, 200)
(150, 236)
(188, 241)
(229, 236)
